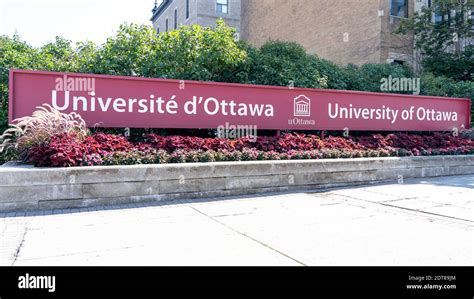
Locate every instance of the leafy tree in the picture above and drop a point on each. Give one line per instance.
(284, 63)
(86, 58)
(126, 53)
(196, 53)
(58, 55)
(14, 53)
(336, 77)
(459, 67)
(444, 37)
(446, 87)
(368, 77)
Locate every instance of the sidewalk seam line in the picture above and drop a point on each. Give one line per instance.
(247, 236)
(17, 251)
(408, 209)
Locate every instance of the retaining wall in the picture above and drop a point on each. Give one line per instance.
(29, 188)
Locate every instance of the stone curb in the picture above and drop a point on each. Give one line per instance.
(30, 188)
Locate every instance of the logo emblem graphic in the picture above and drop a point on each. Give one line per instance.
(302, 106)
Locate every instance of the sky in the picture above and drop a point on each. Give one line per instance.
(40, 21)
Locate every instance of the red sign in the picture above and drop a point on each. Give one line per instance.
(112, 101)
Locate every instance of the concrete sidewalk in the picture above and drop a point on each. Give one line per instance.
(420, 222)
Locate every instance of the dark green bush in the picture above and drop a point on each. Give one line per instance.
(284, 64)
(207, 54)
(446, 87)
(456, 66)
(8, 155)
(368, 77)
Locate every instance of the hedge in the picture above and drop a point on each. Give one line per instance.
(207, 54)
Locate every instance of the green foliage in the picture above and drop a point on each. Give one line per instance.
(368, 77)
(443, 86)
(135, 157)
(127, 52)
(56, 56)
(196, 53)
(336, 77)
(59, 55)
(192, 52)
(8, 155)
(283, 63)
(457, 66)
(189, 53)
(213, 54)
(441, 40)
(14, 53)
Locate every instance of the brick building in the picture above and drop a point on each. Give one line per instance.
(343, 31)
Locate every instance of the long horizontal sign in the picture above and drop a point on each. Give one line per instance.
(112, 101)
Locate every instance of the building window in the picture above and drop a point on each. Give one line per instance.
(399, 8)
(438, 18)
(222, 6)
(398, 62)
(166, 25)
(187, 9)
(176, 19)
(158, 30)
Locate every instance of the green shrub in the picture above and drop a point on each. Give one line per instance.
(14, 53)
(194, 53)
(459, 67)
(446, 87)
(8, 155)
(208, 54)
(284, 63)
(336, 77)
(368, 77)
(136, 157)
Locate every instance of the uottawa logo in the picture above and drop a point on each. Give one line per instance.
(302, 106)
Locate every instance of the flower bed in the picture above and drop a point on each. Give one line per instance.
(65, 150)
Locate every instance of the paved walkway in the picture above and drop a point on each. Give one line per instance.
(419, 222)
